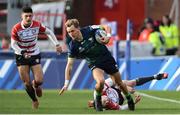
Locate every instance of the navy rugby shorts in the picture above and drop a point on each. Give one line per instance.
(109, 65)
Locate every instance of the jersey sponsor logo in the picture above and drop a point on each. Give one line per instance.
(29, 33)
(81, 49)
(90, 39)
(116, 66)
(37, 60)
(82, 42)
(86, 45)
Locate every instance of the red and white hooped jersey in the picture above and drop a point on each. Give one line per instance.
(110, 93)
(26, 38)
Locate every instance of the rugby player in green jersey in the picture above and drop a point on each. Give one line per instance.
(82, 44)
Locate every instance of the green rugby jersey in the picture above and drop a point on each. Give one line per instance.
(88, 48)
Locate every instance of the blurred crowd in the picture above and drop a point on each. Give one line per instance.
(162, 34)
(5, 43)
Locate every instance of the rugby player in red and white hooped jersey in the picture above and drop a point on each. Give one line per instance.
(24, 37)
(113, 98)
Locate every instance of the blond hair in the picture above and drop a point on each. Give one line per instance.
(71, 22)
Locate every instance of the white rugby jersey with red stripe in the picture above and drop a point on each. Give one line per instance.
(26, 38)
(110, 93)
(112, 96)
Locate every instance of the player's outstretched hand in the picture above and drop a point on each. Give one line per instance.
(137, 98)
(62, 90)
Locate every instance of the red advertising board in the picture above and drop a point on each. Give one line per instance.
(120, 11)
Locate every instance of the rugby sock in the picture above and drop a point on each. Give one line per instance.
(98, 93)
(128, 96)
(31, 92)
(142, 80)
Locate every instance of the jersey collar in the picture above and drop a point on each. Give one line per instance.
(24, 27)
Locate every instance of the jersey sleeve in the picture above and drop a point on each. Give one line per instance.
(42, 28)
(70, 47)
(14, 35)
(73, 51)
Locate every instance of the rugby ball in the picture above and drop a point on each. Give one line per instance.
(101, 35)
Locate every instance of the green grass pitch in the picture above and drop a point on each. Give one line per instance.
(75, 102)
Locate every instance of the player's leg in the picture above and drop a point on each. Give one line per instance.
(38, 79)
(142, 80)
(98, 75)
(111, 68)
(116, 77)
(24, 75)
(38, 74)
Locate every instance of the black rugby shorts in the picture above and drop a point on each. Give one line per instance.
(33, 60)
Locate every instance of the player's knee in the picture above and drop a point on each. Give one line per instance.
(38, 82)
(27, 84)
(101, 83)
(120, 83)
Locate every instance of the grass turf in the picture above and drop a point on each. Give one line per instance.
(75, 102)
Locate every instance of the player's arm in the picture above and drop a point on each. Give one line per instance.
(18, 50)
(54, 40)
(103, 27)
(14, 44)
(15, 47)
(107, 29)
(68, 71)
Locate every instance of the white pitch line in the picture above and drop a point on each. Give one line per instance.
(158, 98)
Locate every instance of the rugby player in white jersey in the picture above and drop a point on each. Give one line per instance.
(24, 37)
(113, 98)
